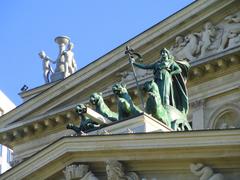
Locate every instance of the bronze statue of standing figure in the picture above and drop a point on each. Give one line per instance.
(170, 76)
(167, 93)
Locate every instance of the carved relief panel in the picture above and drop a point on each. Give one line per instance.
(212, 39)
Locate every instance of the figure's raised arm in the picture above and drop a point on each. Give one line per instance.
(144, 66)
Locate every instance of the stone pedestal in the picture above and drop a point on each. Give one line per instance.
(60, 71)
(57, 76)
(140, 124)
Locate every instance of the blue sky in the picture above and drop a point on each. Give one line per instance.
(94, 26)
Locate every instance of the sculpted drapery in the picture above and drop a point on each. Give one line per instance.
(170, 76)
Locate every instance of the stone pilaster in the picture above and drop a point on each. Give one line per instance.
(198, 114)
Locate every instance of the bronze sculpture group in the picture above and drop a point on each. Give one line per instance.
(167, 99)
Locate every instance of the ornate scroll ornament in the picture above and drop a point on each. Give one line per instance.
(205, 172)
(78, 171)
(212, 39)
(115, 171)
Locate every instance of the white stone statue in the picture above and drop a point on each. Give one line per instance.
(186, 47)
(179, 44)
(47, 69)
(231, 31)
(115, 171)
(210, 39)
(205, 172)
(80, 172)
(65, 62)
(208, 36)
(70, 62)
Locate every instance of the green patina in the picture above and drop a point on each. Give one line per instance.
(85, 122)
(126, 107)
(167, 96)
(170, 77)
(169, 115)
(154, 103)
(96, 99)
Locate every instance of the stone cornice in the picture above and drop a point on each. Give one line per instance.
(36, 128)
(25, 95)
(195, 145)
(215, 65)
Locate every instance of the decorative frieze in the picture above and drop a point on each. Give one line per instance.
(212, 39)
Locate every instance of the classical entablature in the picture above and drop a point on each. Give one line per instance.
(213, 82)
(161, 155)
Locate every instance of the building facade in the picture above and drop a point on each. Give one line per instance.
(6, 105)
(207, 33)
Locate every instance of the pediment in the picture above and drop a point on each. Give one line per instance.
(58, 101)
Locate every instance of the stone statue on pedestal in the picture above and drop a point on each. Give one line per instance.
(167, 93)
(170, 76)
(65, 62)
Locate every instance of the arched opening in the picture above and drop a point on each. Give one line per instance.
(226, 117)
